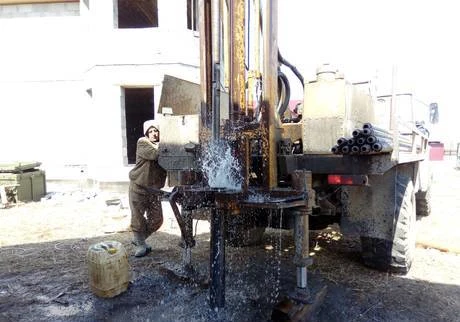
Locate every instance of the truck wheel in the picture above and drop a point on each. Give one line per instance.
(423, 203)
(396, 255)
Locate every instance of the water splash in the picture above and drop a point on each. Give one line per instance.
(220, 167)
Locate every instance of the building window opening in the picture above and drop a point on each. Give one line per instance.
(139, 107)
(192, 15)
(137, 13)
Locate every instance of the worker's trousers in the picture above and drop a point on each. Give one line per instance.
(146, 212)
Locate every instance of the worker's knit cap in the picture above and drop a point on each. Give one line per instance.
(148, 124)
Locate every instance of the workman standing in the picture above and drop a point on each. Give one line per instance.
(146, 179)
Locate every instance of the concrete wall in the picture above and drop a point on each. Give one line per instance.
(39, 10)
(62, 80)
(42, 90)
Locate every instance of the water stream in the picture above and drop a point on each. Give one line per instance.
(221, 168)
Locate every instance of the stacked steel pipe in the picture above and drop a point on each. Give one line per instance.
(369, 140)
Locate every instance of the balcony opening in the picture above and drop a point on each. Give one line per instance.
(139, 107)
(137, 13)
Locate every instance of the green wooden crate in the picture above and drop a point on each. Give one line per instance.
(31, 184)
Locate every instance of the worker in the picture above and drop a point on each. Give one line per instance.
(146, 179)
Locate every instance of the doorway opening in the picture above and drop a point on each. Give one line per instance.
(137, 13)
(139, 107)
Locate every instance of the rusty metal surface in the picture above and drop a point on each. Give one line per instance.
(274, 199)
(200, 196)
(205, 61)
(189, 177)
(181, 95)
(294, 311)
(183, 218)
(217, 260)
(363, 164)
(270, 90)
(177, 132)
(237, 59)
(281, 204)
(301, 180)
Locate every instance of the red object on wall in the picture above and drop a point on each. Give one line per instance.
(436, 151)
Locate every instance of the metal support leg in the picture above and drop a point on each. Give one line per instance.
(301, 248)
(217, 260)
(187, 252)
(302, 181)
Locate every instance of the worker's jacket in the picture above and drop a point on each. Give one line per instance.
(147, 172)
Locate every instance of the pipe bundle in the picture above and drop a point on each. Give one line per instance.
(368, 140)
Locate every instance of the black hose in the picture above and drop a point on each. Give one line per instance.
(283, 102)
(292, 67)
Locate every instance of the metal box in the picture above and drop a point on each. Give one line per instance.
(436, 151)
(30, 184)
(333, 108)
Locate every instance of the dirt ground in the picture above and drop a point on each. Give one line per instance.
(44, 273)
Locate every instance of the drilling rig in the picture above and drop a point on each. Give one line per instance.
(346, 160)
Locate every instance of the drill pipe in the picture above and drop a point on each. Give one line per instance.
(341, 141)
(381, 147)
(374, 140)
(376, 128)
(361, 140)
(369, 130)
(340, 144)
(366, 148)
(377, 133)
(335, 149)
(354, 149)
(383, 137)
(377, 137)
(371, 139)
(401, 143)
(356, 132)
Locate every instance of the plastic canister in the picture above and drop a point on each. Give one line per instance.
(108, 268)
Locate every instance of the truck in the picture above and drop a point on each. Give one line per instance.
(237, 157)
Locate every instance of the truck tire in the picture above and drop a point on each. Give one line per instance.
(423, 203)
(395, 255)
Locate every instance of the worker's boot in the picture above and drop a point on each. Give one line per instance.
(141, 247)
(135, 242)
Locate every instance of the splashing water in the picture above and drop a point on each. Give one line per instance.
(220, 167)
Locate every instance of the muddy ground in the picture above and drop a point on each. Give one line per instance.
(44, 273)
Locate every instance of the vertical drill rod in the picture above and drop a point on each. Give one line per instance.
(217, 260)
